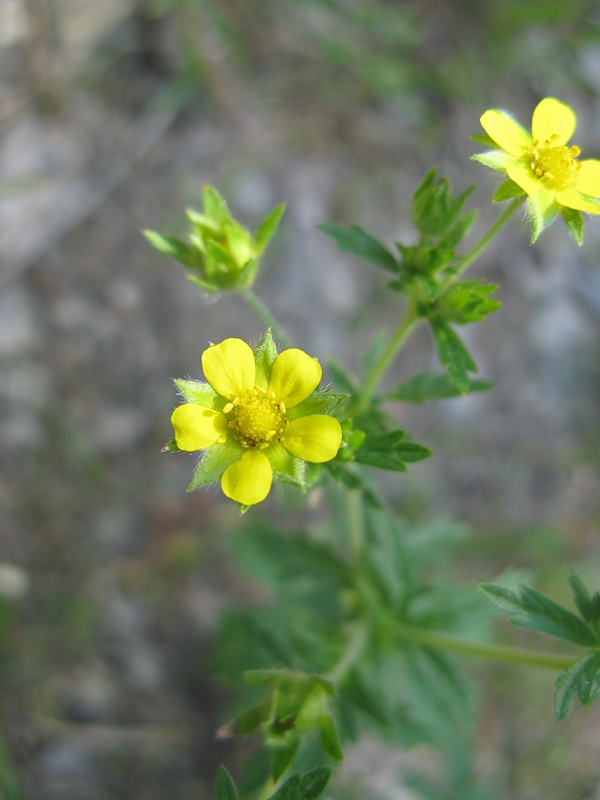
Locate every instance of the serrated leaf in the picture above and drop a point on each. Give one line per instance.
(225, 788)
(453, 354)
(574, 222)
(581, 680)
(529, 608)
(174, 248)
(313, 783)
(429, 386)
(268, 226)
(357, 241)
(389, 450)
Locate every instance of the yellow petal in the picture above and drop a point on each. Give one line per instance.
(315, 438)
(197, 427)
(588, 177)
(553, 118)
(571, 198)
(507, 133)
(229, 367)
(524, 178)
(248, 480)
(294, 376)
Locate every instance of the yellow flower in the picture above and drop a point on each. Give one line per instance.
(542, 163)
(253, 418)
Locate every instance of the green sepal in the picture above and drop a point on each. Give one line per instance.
(206, 285)
(357, 241)
(214, 204)
(529, 608)
(390, 450)
(221, 267)
(198, 392)
(171, 447)
(429, 386)
(484, 139)
(251, 719)
(214, 462)
(265, 353)
(282, 752)
(330, 738)
(268, 227)
(494, 159)
(574, 222)
(225, 788)
(453, 354)
(581, 680)
(287, 468)
(321, 401)
(539, 220)
(507, 190)
(247, 274)
(174, 248)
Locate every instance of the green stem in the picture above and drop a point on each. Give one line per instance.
(466, 261)
(262, 312)
(356, 644)
(380, 367)
(515, 655)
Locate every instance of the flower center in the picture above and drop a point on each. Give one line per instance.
(255, 418)
(556, 165)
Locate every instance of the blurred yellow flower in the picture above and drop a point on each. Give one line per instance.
(542, 163)
(253, 413)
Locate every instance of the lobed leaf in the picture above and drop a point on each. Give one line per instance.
(357, 241)
(429, 386)
(529, 608)
(581, 680)
(453, 354)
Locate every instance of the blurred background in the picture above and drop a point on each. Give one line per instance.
(112, 580)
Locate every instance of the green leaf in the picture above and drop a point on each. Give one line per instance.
(330, 739)
(268, 226)
(313, 783)
(206, 285)
(506, 191)
(213, 204)
(529, 608)
(224, 786)
(346, 475)
(581, 680)
(574, 222)
(587, 605)
(358, 242)
(434, 208)
(429, 386)
(174, 248)
(453, 355)
(290, 790)
(389, 450)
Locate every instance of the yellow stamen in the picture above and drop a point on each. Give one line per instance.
(256, 419)
(555, 165)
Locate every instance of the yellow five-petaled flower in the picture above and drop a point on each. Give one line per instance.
(542, 163)
(257, 416)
